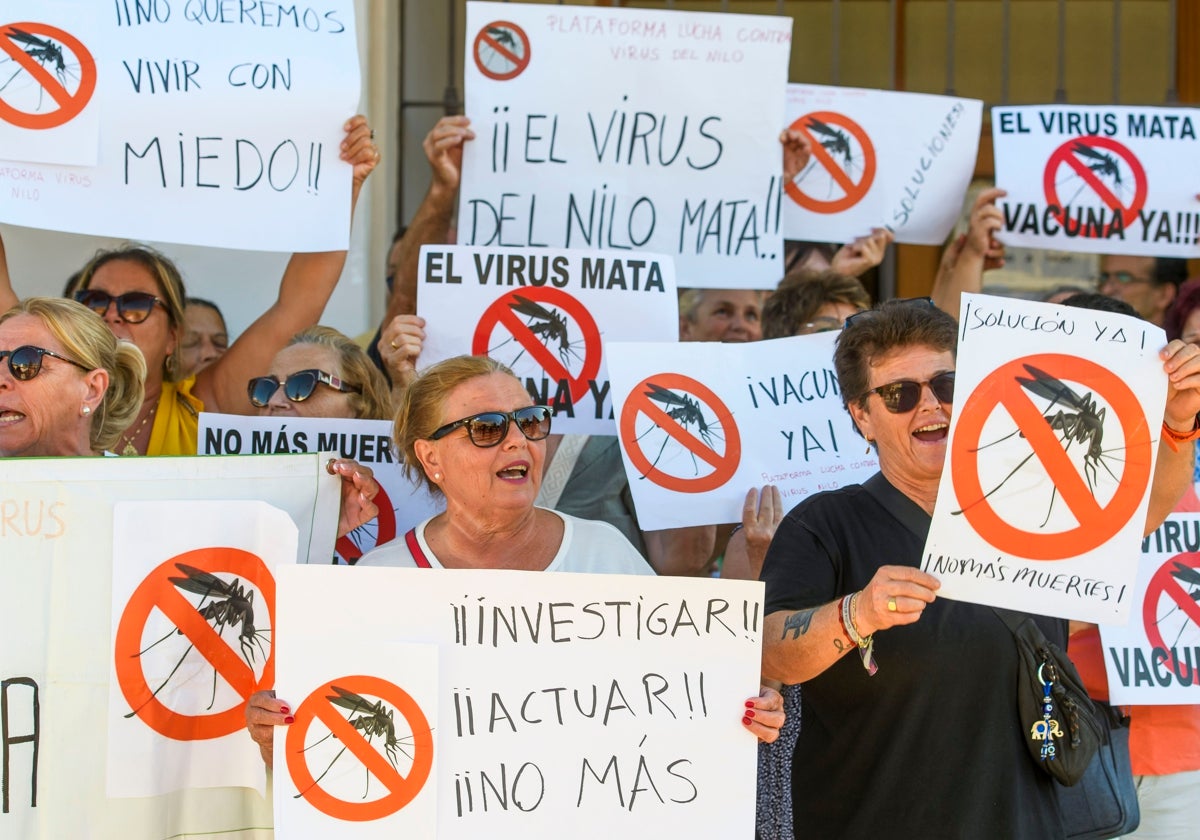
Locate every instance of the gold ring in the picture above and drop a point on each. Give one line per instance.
(395, 346)
(891, 604)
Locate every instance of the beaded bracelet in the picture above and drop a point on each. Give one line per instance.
(866, 650)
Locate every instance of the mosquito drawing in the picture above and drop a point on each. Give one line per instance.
(45, 52)
(221, 605)
(1103, 164)
(372, 720)
(1078, 419)
(685, 411)
(1189, 578)
(837, 143)
(549, 325)
(502, 36)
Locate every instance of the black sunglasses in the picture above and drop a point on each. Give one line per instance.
(920, 302)
(902, 396)
(298, 387)
(133, 307)
(25, 362)
(491, 427)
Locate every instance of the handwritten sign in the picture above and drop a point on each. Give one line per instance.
(1052, 447)
(602, 128)
(58, 529)
(196, 104)
(401, 503)
(880, 159)
(548, 314)
(701, 423)
(1154, 659)
(606, 700)
(1098, 179)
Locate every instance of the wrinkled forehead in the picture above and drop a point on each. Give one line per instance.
(493, 392)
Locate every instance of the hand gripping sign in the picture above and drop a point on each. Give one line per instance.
(677, 412)
(362, 726)
(48, 76)
(1059, 420)
(221, 583)
(842, 167)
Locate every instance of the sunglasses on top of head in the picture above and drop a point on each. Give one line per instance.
(867, 314)
(25, 362)
(489, 428)
(902, 396)
(133, 307)
(298, 387)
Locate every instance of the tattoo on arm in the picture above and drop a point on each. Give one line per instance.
(798, 623)
(840, 645)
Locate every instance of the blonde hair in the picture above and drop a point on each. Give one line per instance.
(166, 276)
(88, 340)
(420, 411)
(375, 400)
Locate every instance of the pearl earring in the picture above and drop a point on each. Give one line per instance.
(437, 476)
(87, 409)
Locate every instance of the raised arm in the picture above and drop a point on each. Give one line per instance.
(971, 254)
(1173, 472)
(308, 281)
(432, 221)
(681, 551)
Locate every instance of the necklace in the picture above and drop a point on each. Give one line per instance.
(130, 449)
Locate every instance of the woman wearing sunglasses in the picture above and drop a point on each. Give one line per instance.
(467, 429)
(67, 386)
(140, 295)
(927, 745)
(322, 373)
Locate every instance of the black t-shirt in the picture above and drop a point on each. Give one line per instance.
(929, 747)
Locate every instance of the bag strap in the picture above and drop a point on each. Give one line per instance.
(414, 548)
(916, 520)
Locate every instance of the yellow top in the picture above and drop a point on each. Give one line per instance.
(176, 426)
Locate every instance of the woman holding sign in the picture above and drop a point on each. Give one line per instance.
(468, 429)
(140, 295)
(67, 386)
(930, 745)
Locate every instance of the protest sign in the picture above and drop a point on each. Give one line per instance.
(1052, 445)
(700, 423)
(402, 504)
(548, 314)
(1098, 179)
(879, 159)
(1154, 659)
(59, 529)
(196, 106)
(602, 128)
(606, 702)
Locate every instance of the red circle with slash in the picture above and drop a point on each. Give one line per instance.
(385, 524)
(70, 105)
(1001, 389)
(401, 789)
(158, 591)
(503, 312)
(639, 401)
(854, 190)
(1165, 584)
(1068, 154)
(510, 50)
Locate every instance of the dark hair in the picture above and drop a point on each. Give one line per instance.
(892, 325)
(1100, 303)
(195, 301)
(1169, 270)
(801, 293)
(1182, 307)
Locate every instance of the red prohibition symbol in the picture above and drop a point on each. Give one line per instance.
(52, 59)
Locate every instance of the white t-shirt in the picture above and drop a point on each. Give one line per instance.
(587, 546)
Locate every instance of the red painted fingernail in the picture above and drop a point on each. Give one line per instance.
(746, 721)
(749, 704)
(750, 714)
(289, 719)
(284, 710)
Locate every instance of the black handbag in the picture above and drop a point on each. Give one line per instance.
(1062, 726)
(1104, 804)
